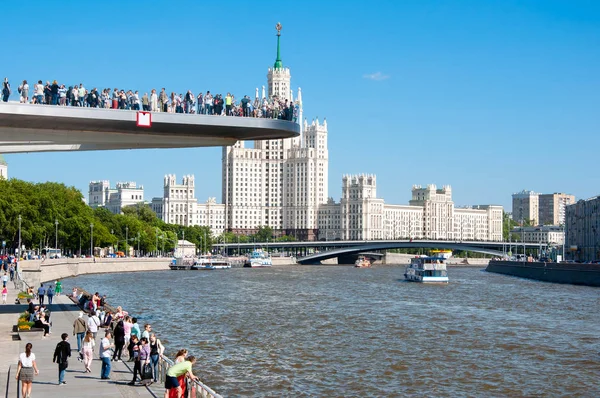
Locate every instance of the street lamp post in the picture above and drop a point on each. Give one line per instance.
(126, 241)
(92, 240)
(20, 219)
(56, 238)
(138, 238)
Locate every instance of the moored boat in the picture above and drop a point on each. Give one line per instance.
(427, 270)
(208, 263)
(258, 259)
(362, 262)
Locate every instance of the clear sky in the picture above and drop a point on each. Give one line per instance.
(491, 97)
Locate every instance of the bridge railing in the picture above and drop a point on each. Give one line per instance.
(195, 388)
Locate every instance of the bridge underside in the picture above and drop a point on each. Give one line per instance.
(346, 252)
(43, 128)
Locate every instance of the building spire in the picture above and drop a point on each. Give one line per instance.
(278, 63)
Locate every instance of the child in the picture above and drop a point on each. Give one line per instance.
(4, 294)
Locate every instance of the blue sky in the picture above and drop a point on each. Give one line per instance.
(491, 97)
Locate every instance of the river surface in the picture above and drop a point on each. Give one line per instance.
(335, 331)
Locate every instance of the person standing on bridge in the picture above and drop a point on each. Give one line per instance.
(5, 90)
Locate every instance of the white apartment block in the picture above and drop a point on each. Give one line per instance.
(277, 183)
(525, 206)
(431, 214)
(180, 206)
(114, 199)
(545, 234)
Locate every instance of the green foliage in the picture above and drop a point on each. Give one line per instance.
(507, 225)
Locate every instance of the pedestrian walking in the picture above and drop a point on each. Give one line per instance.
(4, 294)
(79, 329)
(50, 294)
(62, 352)
(88, 351)
(5, 279)
(58, 289)
(41, 292)
(26, 369)
(93, 323)
(105, 346)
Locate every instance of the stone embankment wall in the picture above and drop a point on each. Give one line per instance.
(36, 271)
(401, 258)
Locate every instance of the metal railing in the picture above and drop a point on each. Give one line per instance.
(195, 388)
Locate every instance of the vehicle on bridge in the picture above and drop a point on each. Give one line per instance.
(427, 270)
(362, 262)
(258, 259)
(52, 253)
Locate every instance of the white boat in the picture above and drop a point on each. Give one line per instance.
(446, 253)
(258, 259)
(208, 263)
(427, 270)
(362, 262)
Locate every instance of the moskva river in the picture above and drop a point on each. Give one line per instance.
(339, 331)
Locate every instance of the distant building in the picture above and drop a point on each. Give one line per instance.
(278, 183)
(525, 206)
(114, 199)
(582, 228)
(543, 234)
(552, 208)
(3, 168)
(180, 206)
(431, 214)
(540, 209)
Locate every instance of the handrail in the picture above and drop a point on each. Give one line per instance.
(201, 390)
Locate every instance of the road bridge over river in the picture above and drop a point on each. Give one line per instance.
(315, 251)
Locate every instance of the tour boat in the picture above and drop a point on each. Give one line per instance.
(427, 270)
(441, 253)
(209, 263)
(258, 259)
(362, 262)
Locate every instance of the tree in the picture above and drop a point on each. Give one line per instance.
(264, 234)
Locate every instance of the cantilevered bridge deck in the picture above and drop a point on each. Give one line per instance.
(43, 128)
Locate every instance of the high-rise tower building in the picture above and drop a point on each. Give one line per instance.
(277, 183)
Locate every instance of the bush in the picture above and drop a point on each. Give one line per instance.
(24, 296)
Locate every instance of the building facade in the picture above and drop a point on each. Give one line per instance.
(431, 214)
(180, 206)
(553, 207)
(525, 206)
(540, 209)
(582, 230)
(544, 234)
(277, 183)
(3, 168)
(114, 199)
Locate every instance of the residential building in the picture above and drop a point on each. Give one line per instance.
(525, 207)
(277, 183)
(114, 199)
(582, 229)
(3, 168)
(180, 206)
(431, 214)
(552, 208)
(543, 234)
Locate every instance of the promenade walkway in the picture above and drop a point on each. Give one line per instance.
(63, 314)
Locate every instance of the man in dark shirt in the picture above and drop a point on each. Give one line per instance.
(61, 356)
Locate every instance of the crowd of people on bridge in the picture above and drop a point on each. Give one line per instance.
(60, 94)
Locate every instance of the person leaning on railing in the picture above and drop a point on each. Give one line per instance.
(180, 369)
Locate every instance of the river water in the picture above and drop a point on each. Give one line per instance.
(335, 331)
